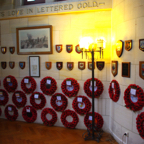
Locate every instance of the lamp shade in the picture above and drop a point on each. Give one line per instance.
(85, 42)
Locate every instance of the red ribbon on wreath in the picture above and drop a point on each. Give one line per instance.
(81, 105)
(98, 120)
(45, 120)
(48, 88)
(140, 124)
(114, 93)
(138, 105)
(14, 110)
(40, 96)
(0, 111)
(19, 101)
(10, 83)
(74, 88)
(33, 85)
(69, 124)
(4, 98)
(59, 102)
(29, 114)
(97, 92)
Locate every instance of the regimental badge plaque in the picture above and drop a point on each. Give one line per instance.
(22, 65)
(141, 69)
(78, 49)
(90, 65)
(128, 45)
(12, 50)
(3, 50)
(119, 48)
(59, 48)
(81, 65)
(69, 48)
(59, 65)
(100, 64)
(3, 65)
(141, 44)
(48, 65)
(11, 64)
(126, 69)
(114, 68)
(70, 65)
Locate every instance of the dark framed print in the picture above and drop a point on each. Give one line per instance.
(48, 65)
(90, 65)
(119, 48)
(59, 48)
(81, 65)
(114, 68)
(100, 65)
(141, 69)
(128, 45)
(11, 64)
(126, 69)
(69, 48)
(11, 50)
(3, 50)
(22, 64)
(34, 40)
(34, 66)
(141, 44)
(78, 49)
(70, 65)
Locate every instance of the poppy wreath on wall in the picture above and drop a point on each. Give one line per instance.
(53, 120)
(10, 83)
(29, 80)
(140, 124)
(73, 115)
(48, 85)
(136, 102)
(59, 102)
(19, 99)
(114, 90)
(98, 89)
(13, 109)
(4, 97)
(97, 119)
(37, 95)
(81, 105)
(29, 114)
(70, 87)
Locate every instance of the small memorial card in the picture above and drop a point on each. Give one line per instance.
(8, 80)
(36, 96)
(90, 118)
(133, 91)
(79, 99)
(113, 85)
(9, 108)
(91, 83)
(28, 110)
(68, 83)
(1, 93)
(48, 81)
(17, 95)
(26, 80)
(59, 98)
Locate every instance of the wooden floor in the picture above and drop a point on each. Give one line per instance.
(29, 133)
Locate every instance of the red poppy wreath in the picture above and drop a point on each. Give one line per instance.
(11, 108)
(48, 85)
(98, 89)
(4, 97)
(136, 102)
(38, 95)
(73, 115)
(140, 124)
(114, 90)
(59, 102)
(10, 83)
(19, 99)
(53, 120)
(70, 87)
(81, 105)
(97, 119)
(31, 81)
(29, 114)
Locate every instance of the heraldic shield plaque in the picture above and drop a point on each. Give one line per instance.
(12, 50)
(69, 48)
(100, 64)
(81, 65)
(119, 48)
(22, 65)
(48, 65)
(11, 64)
(70, 65)
(59, 65)
(90, 65)
(141, 69)
(3, 65)
(114, 68)
(141, 44)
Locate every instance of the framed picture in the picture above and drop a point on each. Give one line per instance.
(34, 66)
(128, 45)
(141, 69)
(34, 40)
(141, 44)
(126, 69)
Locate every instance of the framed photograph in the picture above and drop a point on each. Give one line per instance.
(34, 66)
(141, 69)
(126, 69)
(128, 45)
(34, 40)
(141, 44)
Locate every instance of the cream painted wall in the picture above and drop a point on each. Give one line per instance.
(127, 24)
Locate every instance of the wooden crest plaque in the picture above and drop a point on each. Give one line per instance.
(11, 64)
(141, 44)
(128, 45)
(70, 65)
(58, 48)
(3, 50)
(59, 65)
(3, 65)
(22, 65)
(114, 68)
(48, 65)
(78, 49)
(90, 65)
(69, 48)
(11, 50)
(100, 64)
(141, 69)
(81, 65)
(119, 48)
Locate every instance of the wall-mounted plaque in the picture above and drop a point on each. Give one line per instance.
(58, 48)
(141, 44)
(3, 50)
(59, 65)
(81, 65)
(128, 45)
(78, 49)
(12, 50)
(11, 64)
(114, 68)
(126, 69)
(3, 65)
(48, 65)
(119, 48)
(22, 65)
(70, 65)
(90, 65)
(69, 48)
(100, 64)
(141, 69)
